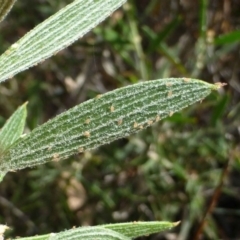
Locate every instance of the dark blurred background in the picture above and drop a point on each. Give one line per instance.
(185, 168)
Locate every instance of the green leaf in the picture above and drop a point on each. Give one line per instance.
(12, 131)
(55, 34)
(5, 7)
(227, 38)
(137, 229)
(203, 16)
(159, 37)
(86, 233)
(171, 54)
(121, 231)
(99, 121)
(13, 128)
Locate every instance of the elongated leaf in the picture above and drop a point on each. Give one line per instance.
(137, 229)
(5, 7)
(101, 120)
(228, 38)
(54, 34)
(159, 37)
(13, 128)
(203, 17)
(11, 131)
(82, 233)
(121, 231)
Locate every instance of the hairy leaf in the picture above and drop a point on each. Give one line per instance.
(11, 131)
(86, 233)
(137, 229)
(118, 231)
(55, 34)
(13, 128)
(5, 7)
(104, 119)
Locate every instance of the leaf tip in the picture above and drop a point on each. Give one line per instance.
(218, 85)
(176, 223)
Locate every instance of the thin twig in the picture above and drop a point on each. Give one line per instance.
(213, 201)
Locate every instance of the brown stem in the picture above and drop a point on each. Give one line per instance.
(213, 201)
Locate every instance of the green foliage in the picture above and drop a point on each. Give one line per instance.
(88, 233)
(113, 115)
(5, 7)
(13, 128)
(54, 34)
(121, 231)
(11, 132)
(167, 171)
(228, 38)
